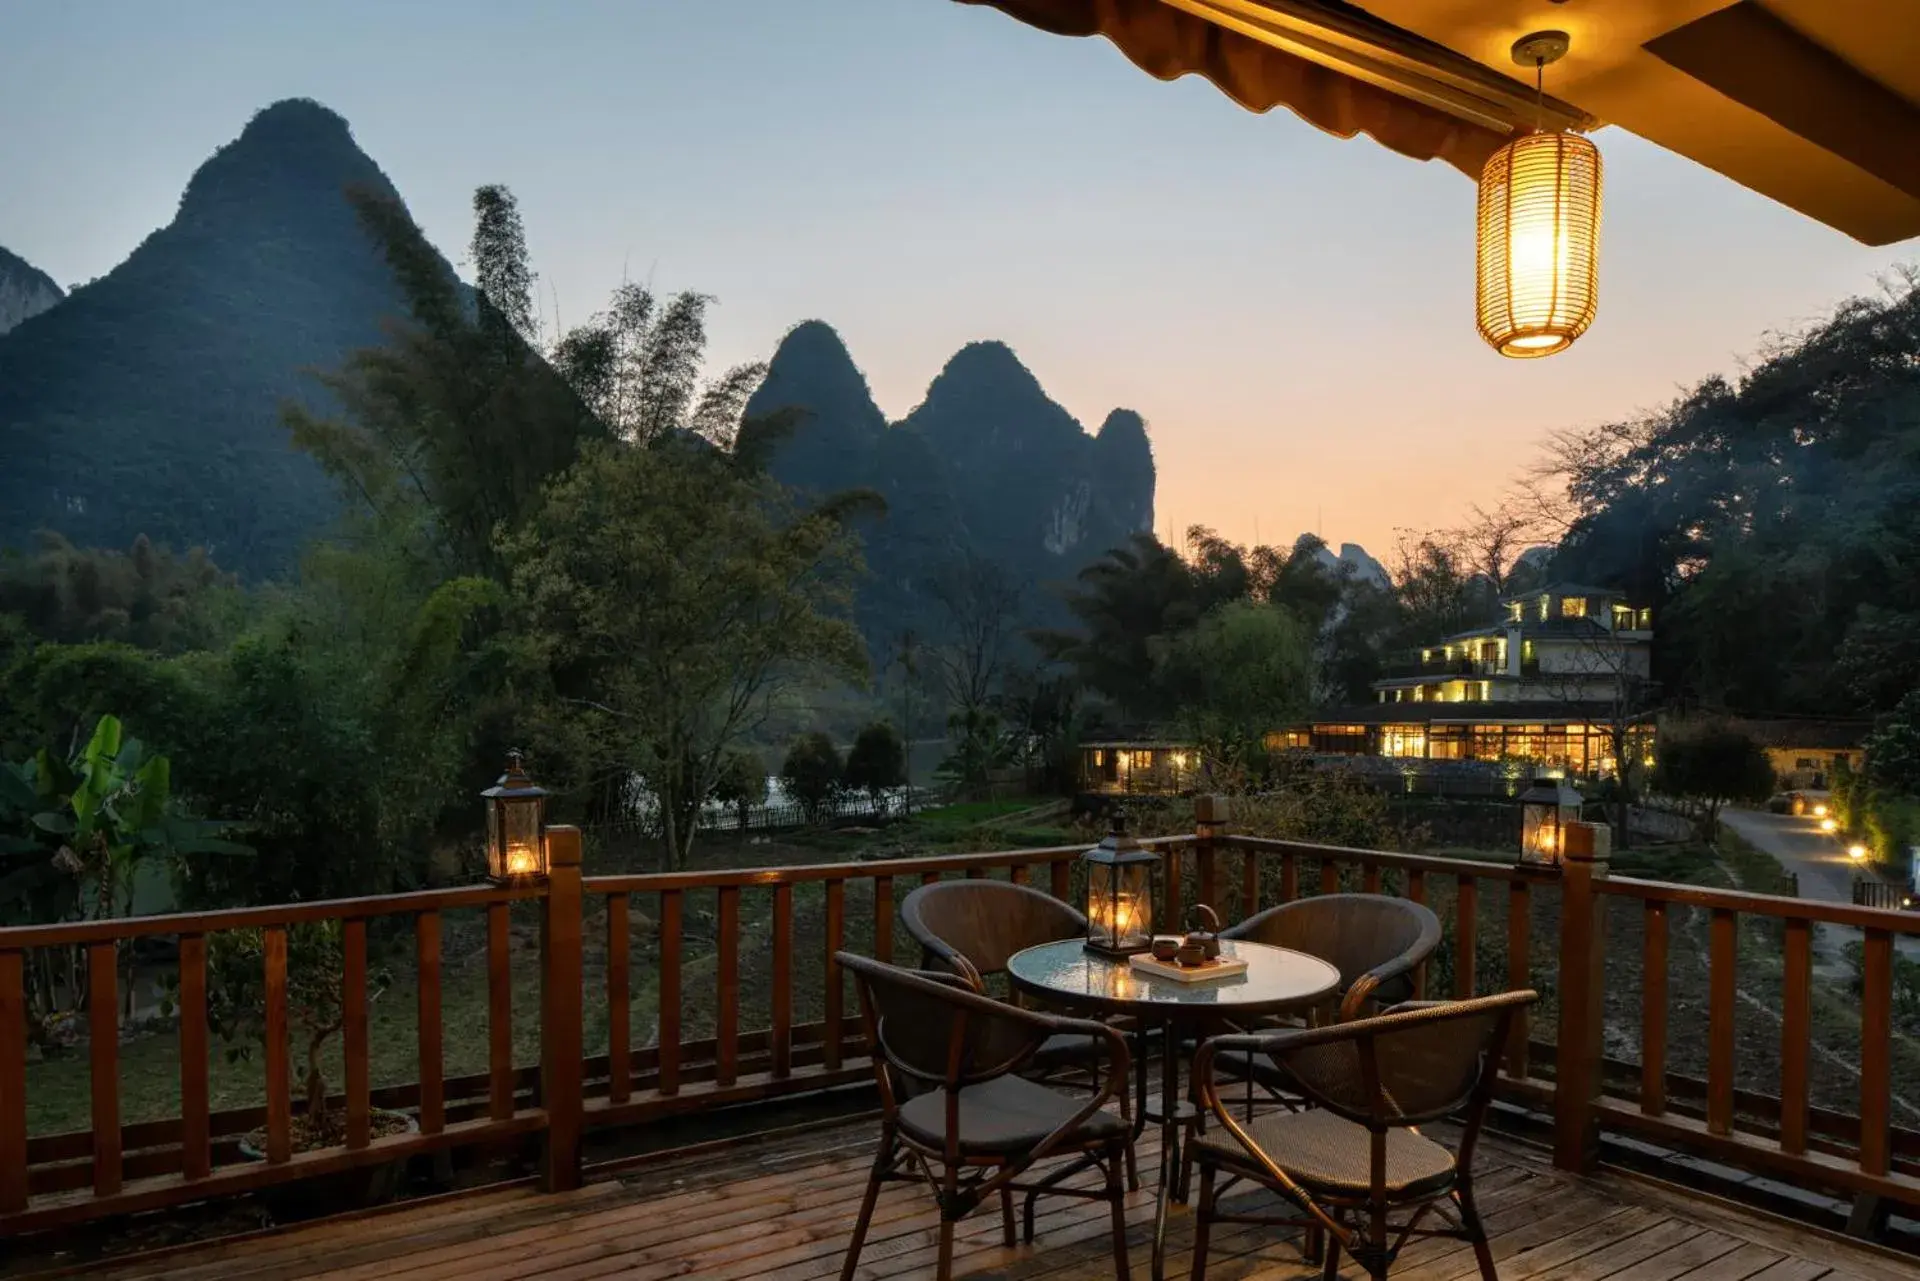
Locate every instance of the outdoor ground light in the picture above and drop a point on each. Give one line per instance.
(1819, 811)
(1120, 888)
(1537, 285)
(1829, 825)
(1857, 852)
(1546, 809)
(516, 826)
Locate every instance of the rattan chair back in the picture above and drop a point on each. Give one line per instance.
(985, 921)
(1374, 940)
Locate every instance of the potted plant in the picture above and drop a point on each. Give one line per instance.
(237, 1010)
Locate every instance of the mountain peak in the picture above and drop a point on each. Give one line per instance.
(177, 362)
(290, 155)
(989, 361)
(293, 118)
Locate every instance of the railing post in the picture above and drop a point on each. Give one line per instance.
(561, 1053)
(1583, 869)
(1209, 824)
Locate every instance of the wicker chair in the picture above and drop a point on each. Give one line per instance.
(954, 1112)
(1374, 940)
(973, 927)
(1352, 1161)
(982, 924)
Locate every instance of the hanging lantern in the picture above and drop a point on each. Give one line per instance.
(1546, 810)
(516, 825)
(1539, 232)
(1120, 889)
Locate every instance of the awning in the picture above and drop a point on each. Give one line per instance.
(1815, 103)
(1329, 64)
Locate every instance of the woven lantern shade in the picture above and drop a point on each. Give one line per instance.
(1539, 244)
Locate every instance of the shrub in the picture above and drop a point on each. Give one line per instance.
(877, 763)
(811, 775)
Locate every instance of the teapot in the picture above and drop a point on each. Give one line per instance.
(1207, 939)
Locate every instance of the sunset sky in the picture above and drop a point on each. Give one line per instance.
(1292, 313)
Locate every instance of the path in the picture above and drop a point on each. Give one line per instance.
(1825, 872)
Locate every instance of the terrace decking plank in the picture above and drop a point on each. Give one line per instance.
(783, 1211)
(1606, 1263)
(1736, 1265)
(1681, 1259)
(1791, 1269)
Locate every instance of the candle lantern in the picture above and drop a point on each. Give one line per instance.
(1120, 888)
(516, 825)
(1546, 810)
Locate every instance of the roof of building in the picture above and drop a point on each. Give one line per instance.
(1564, 589)
(1536, 629)
(1491, 712)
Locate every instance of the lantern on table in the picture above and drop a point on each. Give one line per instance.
(516, 826)
(1546, 810)
(1120, 888)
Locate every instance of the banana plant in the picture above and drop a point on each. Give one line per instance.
(109, 808)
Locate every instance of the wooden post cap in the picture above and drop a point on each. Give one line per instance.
(1589, 842)
(1210, 809)
(563, 846)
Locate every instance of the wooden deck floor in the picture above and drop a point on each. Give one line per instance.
(783, 1211)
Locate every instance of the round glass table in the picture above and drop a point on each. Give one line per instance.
(1277, 980)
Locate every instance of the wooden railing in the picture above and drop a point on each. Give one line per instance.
(111, 1168)
(1778, 1130)
(732, 996)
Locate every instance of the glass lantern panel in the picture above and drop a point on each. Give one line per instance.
(1133, 921)
(1540, 837)
(521, 854)
(1100, 903)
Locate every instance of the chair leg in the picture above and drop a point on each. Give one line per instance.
(1313, 1245)
(944, 1270)
(1133, 1170)
(1117, 1200)
(1476, 1231)
(1330, 1269)
(1006, 1217)
(1202, 1222)
(882, 1162)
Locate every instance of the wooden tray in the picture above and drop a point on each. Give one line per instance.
(1221, 967)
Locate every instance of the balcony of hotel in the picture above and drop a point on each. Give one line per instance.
(673, 1081)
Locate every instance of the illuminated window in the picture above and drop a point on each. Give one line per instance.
(1573, 607)
(1623, 618)
(1546, 607)
(1516, 611)
(1403, 740)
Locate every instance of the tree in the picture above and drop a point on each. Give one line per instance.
(1121, 603)
(451, 428)
(1711, 767)
(1243, 671)
(981, 607)
(811, 774)
(1431, 583)
(742, 784)
(907, 656)
(1490, 543)
(1892, 752)
(315, 977)
(669, 592)
(1776, 505)
(876, 763)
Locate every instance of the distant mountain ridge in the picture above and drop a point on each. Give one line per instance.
(148, 402)
(25, 290)
(986, 468)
